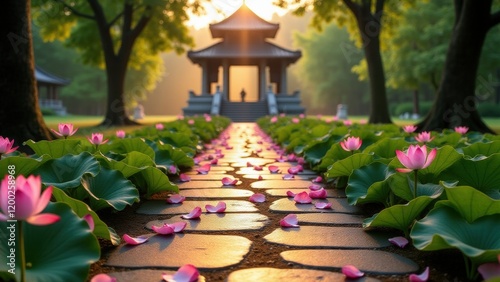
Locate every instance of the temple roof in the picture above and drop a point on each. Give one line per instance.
(42, 76)
(244, 19)
(262, 50)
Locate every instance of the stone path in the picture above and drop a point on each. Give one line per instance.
(229, 246)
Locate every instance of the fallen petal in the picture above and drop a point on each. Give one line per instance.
(134, 240)
(103, 278)
(257, 167)
(274, 169)
(214, 161)
(294, 170)
(399, 241)
(178, 226)
(424, 276)
(176, 199)
(290, 220)
(257, 198)
(184, 178)
(164, 230)
(288, 177)
(219, 208)
(186, 273)
(350, 271)
(228, 181)
(302, 198)
(318, 179)
(204, 169)
(260, 177)
(315, 187)
(323, 205)
(249, 164)
(90, 220)
(319, 194)
(290, 194)
(195, 213)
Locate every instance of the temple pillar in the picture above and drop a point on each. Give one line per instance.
(204, 79)
(283, 81)
(225, 79)
(262, 80)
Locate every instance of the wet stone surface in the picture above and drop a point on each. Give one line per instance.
(218, 222)
(331, 193)
(162, 207)
(281, 184)
(205, 184)
(221, 193)
(339, 205)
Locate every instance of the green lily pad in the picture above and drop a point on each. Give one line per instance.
(366, 185)
(62, 251)
(109, 189)
(482, 149)
(152, 180)
(403, 185)
(55, 148)
(101, 230)
(346, 166)
(386, 148)
(127, 145)
(445, 228)
(166, 155)
(333, 154)
(131, 164)
(400, 217)
(23, 165)
(66, 172)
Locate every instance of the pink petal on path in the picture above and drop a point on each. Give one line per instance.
(175, 199)
(249, 164)
(134, 240)
(323, 205)
(184, 178)
(302, 198)
(257, 167)
(194, 214)
(422, 277)
(219, 208)
(320, 194)
(103, 278)
(290, 220)
(315, 187)
(399, 241)
(228, 181)
(257, 198)
(318, 179)
(351, 272)
(288, 177)
(294, 170)
(274, 169)
(260, 177)
(290, 193)
(204, 169)
(186, 273)
(178, 226)
(164, 230)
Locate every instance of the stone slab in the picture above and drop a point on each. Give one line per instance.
(216, 193)
(162, 207)
(281, 184)
(209, 176)
(329, 237)
(330, 192)
(173, 251)
(330, 218)
(219, 222)
(205, 184)
(265, 170)
(275, 176)
(242, 162)
(368, 261)
(213, 169)
(338, 205)
(265, 274)
(144, 275)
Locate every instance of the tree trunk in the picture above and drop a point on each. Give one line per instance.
(20, 115)
(455, 103)
(369, 26)
(416, 104)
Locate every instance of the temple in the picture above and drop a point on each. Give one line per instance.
(48, 90)
(243, 43)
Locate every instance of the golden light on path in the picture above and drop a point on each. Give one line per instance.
(218, 10)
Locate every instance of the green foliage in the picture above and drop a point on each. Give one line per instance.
(62, 251)
(366, 185)
(56, 148)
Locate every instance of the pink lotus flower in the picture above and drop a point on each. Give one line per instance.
(295, 120)
(219, 208)
(274, 169)
(302, 116)
(204, 169)
(167, 229)
(175, 199)
(288, 177)
(120, 134)
(415, 158)
(347, 122)
(190, 122)
(399, 241)
(184, 177)
(29, 202)
(302, 198)
(65, 130)
(208, 118)
(461, 129)
(319, 194)
(290, 194)
(409, 128)
(228, 181)
(159, 126)
(424, 137)
(257, 198)
(315, 187)
(180, 117)
(6, 146)
(194, 214)
(274, 119)
(90, 221)
(323, 205)
(290, 220)
(97, 139)
(422, 277)
(351, 144)
(490, 269)
(134, 240)
(186, 273)
(318, 179)
(351, 272)
(103, 277)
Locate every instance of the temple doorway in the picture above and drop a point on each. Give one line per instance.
(244, 77)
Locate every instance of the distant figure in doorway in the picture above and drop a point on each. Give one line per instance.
(138, 112)
(243, 94)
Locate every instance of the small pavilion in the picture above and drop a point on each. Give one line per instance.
(48, 90)
(244, 43)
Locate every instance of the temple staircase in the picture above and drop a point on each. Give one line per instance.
(244, 111)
